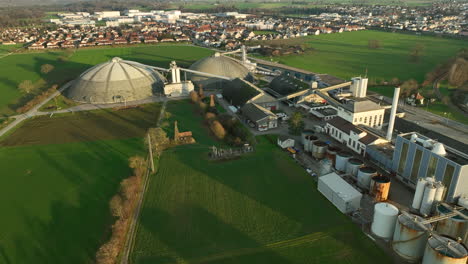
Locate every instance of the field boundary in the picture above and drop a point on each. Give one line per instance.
(130, 241)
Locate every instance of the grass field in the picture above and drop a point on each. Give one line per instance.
(57, 177)
(102, 124)
(261, 208)
(55, 199)
(19, 67)
(347, 54)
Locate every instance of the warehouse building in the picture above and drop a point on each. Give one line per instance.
(240, 92)
(221, 66)
(417, 156)
(116, 81)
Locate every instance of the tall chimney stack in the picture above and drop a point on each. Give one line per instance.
(391, 122)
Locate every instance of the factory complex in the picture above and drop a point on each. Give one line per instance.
(350, 139)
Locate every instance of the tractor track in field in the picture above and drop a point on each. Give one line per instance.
(314, 237)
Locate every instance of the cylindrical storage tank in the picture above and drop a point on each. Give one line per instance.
(444, 250)
(342, 160)
(353, 166)
(385, 216)
(409, 238)
(428, 198)
(319, 148)
(304, 133)
(455, 226)
(379, 188)
(439, 195)
(463, 201)
(364, 177)
(308, 142)
(331, 153)
(419, 193)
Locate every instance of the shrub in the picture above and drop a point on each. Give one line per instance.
(210, 116)
(218, 129)
(194, 97)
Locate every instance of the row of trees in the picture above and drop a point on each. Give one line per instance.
(122, 207)
(224, 126)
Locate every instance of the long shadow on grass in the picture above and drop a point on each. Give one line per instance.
(197, 236)
(75, 226)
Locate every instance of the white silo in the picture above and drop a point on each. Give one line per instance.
(444, 250)
(341, 160)
(410, 238)
(385, 216)
(419, 193)
(439, 195)
(428, 198)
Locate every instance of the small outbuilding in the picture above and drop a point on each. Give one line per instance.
(259, 117)
(285, 142)
(340, 193)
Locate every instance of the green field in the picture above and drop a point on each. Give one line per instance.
(19, 67)
(57, 177)
(261, 208)
(347, 55)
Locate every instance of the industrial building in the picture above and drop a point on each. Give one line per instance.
(116, 81)
(417, 156)
(350, 135)
(344, 196)
(238, 92)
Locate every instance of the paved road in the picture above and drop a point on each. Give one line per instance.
(428, 120)
(33, 112)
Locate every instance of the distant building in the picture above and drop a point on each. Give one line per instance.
(417, 156)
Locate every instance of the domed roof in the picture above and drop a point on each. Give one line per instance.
(116, 81)
(218, 65)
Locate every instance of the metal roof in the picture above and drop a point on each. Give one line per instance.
(218, 65)
(114, 81)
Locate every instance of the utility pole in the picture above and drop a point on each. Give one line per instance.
(150, 153)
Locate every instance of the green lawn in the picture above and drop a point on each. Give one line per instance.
(7, 48)
(347, 54)
(261, 208)
(265, 32)
(55, 199)
(19, 67)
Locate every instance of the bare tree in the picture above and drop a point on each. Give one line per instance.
(159, 140)
(194, 97)
(373, 43)
(46, 68)
(26, 86)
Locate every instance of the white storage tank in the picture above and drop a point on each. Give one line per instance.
(342, 160)
(353, 166)
(428, 198)
(419, 193)
(319, 148)
(364, 177)
(385, 216)
(409, 238)
(444, 250)
(455, 226)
